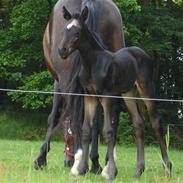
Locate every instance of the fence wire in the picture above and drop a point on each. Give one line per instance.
(92, 95)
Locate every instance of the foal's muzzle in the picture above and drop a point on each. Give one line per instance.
(63, 52)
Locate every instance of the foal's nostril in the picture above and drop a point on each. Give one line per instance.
(62, 51)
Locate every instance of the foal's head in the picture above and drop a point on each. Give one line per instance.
(72, 35)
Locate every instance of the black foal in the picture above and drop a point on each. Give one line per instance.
(108, 73)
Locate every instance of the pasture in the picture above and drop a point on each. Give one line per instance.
(16, 157)
(19, 146)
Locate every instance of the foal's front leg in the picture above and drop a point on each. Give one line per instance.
(110, 171)
(90, 104)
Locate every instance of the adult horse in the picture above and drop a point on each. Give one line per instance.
(105, 19)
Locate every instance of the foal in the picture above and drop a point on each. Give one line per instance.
(107, 73)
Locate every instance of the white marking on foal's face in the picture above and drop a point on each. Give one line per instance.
(73, 23)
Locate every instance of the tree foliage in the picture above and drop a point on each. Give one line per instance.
(21, 59)
(154, 25)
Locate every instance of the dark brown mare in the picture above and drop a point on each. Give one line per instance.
(105, 19)
(112, 73)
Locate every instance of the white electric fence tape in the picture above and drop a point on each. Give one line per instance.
(91, 95)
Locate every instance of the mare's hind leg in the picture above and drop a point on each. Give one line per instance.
(53, 121)
(138, 124)
(147, 91)
(94, 156)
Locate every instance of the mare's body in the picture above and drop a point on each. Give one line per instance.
(112, 73)
(105, 19)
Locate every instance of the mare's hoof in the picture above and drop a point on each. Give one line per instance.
(68, 163)
(167, 168)
(96, 169)
(40, 163)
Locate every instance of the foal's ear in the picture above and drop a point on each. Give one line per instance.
(84, 14)
(66, 13)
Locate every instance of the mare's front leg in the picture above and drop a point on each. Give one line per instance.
(81, 157)
(110, 171)
(53, 121)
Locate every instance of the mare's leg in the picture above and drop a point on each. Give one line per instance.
(110, 171)
(53, 121)
(138, 124)
(146, 89)
(94, 156)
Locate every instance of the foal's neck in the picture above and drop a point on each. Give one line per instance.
(88, 53)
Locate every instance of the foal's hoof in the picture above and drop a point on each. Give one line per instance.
(68, 163)
(167, 168)
(40, 163)
(138, 173)
(109, 172)
(83, 170)
(96, 169)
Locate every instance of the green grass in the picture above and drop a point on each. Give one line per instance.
(23, 125)
(16, 159)
(22, 133)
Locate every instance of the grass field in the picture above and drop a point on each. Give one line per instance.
(21, 135)
(16, 157)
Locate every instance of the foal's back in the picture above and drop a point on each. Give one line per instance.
(133, 59)
(130, 65)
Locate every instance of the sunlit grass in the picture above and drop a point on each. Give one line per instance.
(16, 159)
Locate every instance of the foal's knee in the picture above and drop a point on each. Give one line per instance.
(108, 135)
(138, 123)
(86, 135)
(156, 123)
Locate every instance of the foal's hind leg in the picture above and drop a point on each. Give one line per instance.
(147, 91)
(138, 124)
(53, 121)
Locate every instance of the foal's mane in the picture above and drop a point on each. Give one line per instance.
(94, 38)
